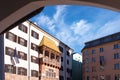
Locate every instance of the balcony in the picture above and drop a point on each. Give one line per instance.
(48, 61)
(44, 60)
(48, 78)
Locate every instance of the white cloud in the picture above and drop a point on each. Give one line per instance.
(45, 21)
(108, 28)
(60, 12)
(50, 23)
(81, 27)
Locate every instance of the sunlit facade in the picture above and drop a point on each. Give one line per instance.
(101, 58)
(38, 53)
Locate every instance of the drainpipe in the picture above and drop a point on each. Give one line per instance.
(29, 51)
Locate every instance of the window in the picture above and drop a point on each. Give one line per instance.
(50, 73)
(61, 68)
(22, 41)
(87, 69)
(116, 46)
(101, 49)
(116, 66)
(68, 54)
(46, 54)
(23, 28)
(34, 34)
(116, 56)
(86, 52)
(93, 51)
(22, 71)
(117, 76)
(68, 70)
(68, 78)
(68, 62)
(10, 69)
(47, 74)
(61, 78)
(11, 36)
(87, 78)
(52, 56)
(34, 47)
(101, 60)
(22, 55)
(61, 59)
(34, 59)
(34, 73)
(86, 60)
(93, 59)
(9, 51)
(57, 58)
(60, 48)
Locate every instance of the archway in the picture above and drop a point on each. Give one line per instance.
(13, 12)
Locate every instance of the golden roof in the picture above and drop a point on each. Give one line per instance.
(49, 43)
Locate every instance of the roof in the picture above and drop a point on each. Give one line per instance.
(102, 40)
(49, 43)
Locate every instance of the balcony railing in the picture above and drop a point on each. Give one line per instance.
(52, 62)
(47, 78)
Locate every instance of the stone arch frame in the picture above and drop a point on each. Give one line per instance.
(14, 14)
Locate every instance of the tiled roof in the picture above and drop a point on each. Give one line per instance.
(49, 43)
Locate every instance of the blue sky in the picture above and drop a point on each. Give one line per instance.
(75, 25)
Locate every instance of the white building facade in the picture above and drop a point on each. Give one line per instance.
(24, 40)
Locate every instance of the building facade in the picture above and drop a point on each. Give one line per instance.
(30, 53)
(77, 66)
(101, 58)
(66, 62)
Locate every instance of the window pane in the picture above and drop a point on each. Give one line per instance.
(11, 36)
(23, 28)
(22, 41)
(35, 35)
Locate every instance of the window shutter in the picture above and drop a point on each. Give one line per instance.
(19, 40)
(14, 69)
(6, 50)
(36, 48)
(6, 68)
(26, 29)
(18, 54)
(25, 56)
(25, 43)
(31, 45)
(32, 33)
(37, 36)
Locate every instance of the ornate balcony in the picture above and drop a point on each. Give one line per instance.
(44, 60)
(48, 61)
